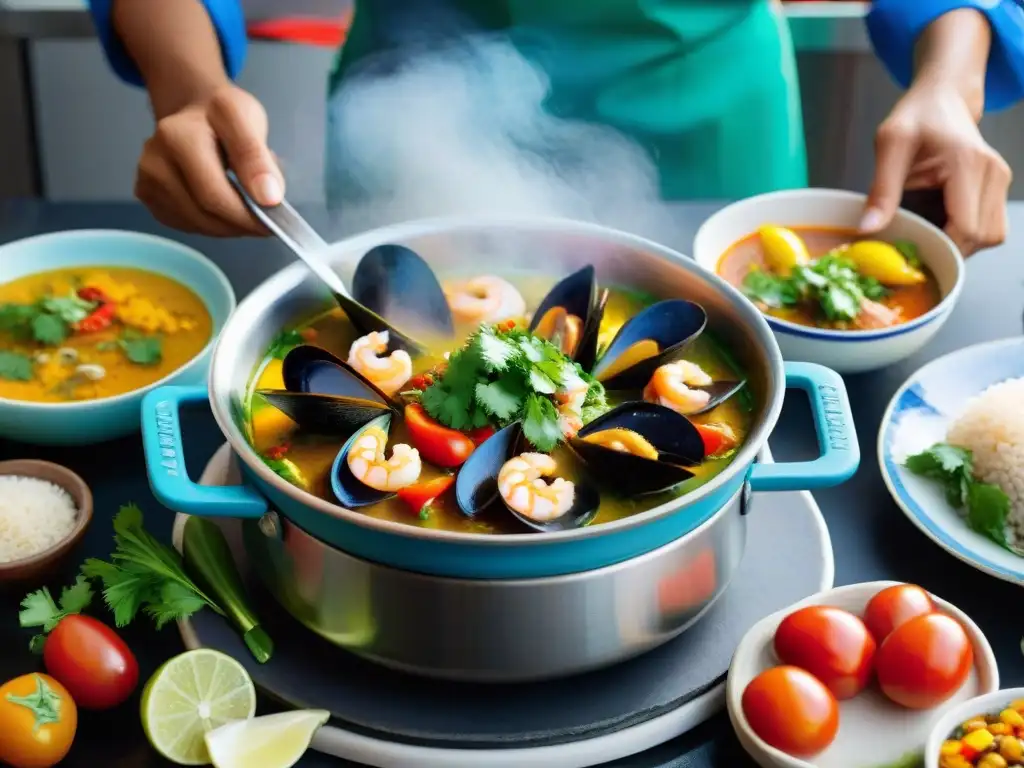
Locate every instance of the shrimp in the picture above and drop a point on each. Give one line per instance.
(388, 373)
(485, 299)
(522, 486)
(569, 403)
(367, 463)
(672, 386)
(873, 315)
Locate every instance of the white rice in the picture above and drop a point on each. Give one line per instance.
(992, 428)
(34, 516)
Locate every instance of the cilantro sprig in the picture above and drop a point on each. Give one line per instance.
(831, 282)
(39, 609)
(986, 506)
(15, 366)
(503, 376)
(47, 321)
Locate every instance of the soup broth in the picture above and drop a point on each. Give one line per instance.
(906, 302)
(89, 333)
(306, 459)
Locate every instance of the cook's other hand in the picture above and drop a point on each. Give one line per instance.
(186, 53)
(965, 59)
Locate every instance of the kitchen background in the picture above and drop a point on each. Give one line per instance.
(69, 131)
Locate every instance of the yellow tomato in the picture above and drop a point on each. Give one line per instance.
(783, 249)
(884, 262)
(38, 720)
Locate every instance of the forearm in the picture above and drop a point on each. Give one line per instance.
(175, 47)
(954, 51)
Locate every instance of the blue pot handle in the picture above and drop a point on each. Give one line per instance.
(165, 461)
(837, 436)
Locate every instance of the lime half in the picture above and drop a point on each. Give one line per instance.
(190, 695)
(272, 741)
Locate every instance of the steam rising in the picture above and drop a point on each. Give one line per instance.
(464, 132)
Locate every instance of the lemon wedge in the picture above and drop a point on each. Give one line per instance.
(271, 741)
(883, 262)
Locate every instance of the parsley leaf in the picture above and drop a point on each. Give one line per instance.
(50, 330)
(142, 350)
(16, 319)
(284, 343)
(71, 308)
(144, 574)
(15, 366)
(910, 252)
(771, 290)
(499, 399)
(540, 423)
(986, 506)
(39, 609)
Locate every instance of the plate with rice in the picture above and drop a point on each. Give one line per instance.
(951, 450)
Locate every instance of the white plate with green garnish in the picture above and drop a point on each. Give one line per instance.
(951, 450)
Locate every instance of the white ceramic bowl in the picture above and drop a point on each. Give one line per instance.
(872, 729)
(843, 351)
(989, 703)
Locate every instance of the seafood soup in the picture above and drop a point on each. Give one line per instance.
(521, 405)
(831, 278)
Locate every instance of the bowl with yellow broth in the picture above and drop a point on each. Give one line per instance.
(510, 450)
(91, 320)
(832, 295)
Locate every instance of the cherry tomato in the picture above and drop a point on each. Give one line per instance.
(92, 662)
(718, 438)
(481, 435)
(893, 606)
(831, 644)
(924, 661)
(438, 444)
(38, 720)
(791, 710)
(419, 495)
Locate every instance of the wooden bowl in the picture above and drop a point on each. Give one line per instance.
(32, 571)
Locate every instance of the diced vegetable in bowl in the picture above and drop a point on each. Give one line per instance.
(984, 732)
(841, 680)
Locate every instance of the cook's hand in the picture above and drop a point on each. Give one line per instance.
(931, 140)
(181, 174)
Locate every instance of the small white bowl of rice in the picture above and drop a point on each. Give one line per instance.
(44, 511)
(951, 451)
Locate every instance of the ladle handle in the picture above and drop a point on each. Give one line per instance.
(283, 220)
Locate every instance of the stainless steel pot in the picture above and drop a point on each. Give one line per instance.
(509, 607)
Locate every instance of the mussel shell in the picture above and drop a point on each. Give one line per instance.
(314, 370)
(396, 284)
(577, 294)
(677, 440)
(672, 324)
(324, 414)
(349, 491)
(720, 391)
(476, 485)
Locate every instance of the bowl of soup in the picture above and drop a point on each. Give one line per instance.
(831, 295)
(90, 321)
(502, 424)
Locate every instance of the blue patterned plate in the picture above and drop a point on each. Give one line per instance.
(918, 416)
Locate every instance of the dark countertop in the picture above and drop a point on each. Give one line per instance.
(871, 538)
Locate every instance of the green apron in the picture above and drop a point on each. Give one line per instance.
(707, 87)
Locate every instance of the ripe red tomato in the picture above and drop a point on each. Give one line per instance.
(924, 661)
(831, 644)
(894, 606)
(438, 444)
(791, 710)
(91, 661)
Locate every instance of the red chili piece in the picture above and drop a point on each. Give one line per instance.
(277, 452)
(92, 293)
(100, 318)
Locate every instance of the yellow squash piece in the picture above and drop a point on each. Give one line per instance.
(783, 249)
(884, 262)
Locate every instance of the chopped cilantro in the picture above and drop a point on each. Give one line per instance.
(17, 319)
(986, 505)
(769, 289)
(540, 423)
(15, 366)
(284, 343)
(142, 350)
(33, 322)
(71, 308)
(50, 330)
(287, 470)
(910, 252)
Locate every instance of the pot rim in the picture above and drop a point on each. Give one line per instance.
(288, 278)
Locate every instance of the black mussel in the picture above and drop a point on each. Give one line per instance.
(640, 448)
(720, 391)
(570, 316)
(348, 486)
(326, 395)
(396, 284)
(657, 335)
(477, 489)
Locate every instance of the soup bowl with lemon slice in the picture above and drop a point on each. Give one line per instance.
(830, 294)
